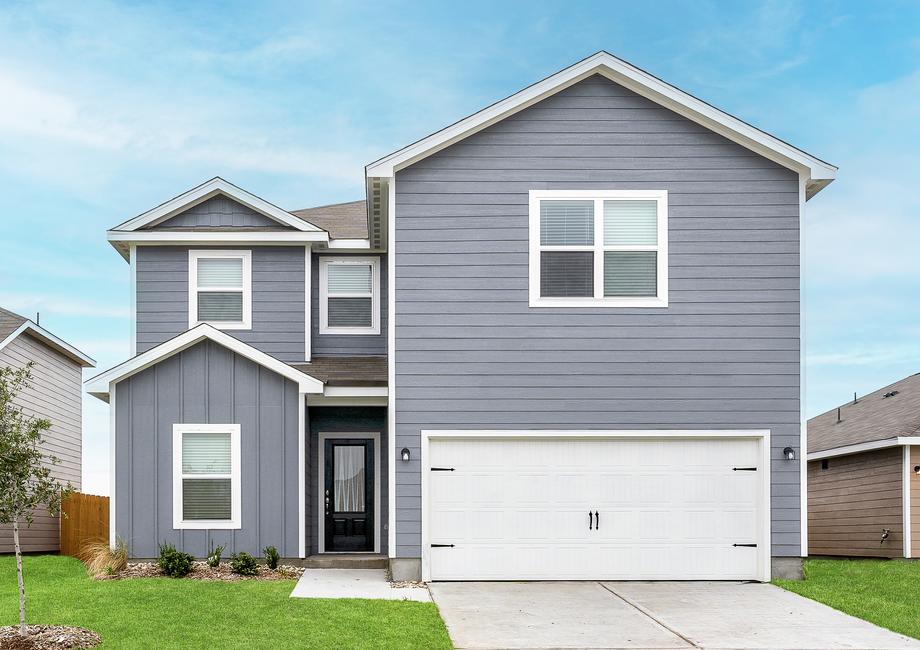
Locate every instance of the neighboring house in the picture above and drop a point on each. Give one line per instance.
(560, 340)
(55, 393)
(864, 475)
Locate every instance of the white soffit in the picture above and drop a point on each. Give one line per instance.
(817, 172)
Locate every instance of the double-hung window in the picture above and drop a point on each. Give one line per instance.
(349, 295)
(206, 476)
(597, 248)
(220, 288)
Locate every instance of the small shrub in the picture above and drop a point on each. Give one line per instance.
(272, 557)
(214, 556)
(100, 558)
(174, 563)
(244, 564)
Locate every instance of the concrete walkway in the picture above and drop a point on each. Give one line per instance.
(659, 615)
(354, 583)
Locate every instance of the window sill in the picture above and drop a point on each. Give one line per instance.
(221, 325)
(351, 331)
(206, 525)
(658, 303)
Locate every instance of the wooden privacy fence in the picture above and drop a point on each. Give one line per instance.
(84, 518)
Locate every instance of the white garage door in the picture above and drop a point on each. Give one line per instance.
(590, 509)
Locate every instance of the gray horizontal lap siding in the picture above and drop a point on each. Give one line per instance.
(470, 353)
(277, 298)
(207, 384)
(350, 344)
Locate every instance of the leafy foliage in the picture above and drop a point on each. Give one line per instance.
(174, 563)
(272, 557)
(214, 554)
(244, 564)
(26, 481)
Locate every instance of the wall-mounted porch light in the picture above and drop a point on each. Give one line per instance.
(789, 453)
(916, 469)
(405, 454)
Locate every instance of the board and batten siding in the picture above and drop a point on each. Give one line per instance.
(471, 353)
(207, 384)
(277, 298)
(219, 212)
(853, 500)
(914, 501)
(55, 393)
(350, 344)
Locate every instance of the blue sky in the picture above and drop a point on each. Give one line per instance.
(109, 109)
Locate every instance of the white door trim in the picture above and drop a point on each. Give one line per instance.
(905, 503)
(763, 435)
(321, 481)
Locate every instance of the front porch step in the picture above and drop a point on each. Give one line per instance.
(345, 561)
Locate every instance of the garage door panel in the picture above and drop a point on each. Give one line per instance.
(669, 509)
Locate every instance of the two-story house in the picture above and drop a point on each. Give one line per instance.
(559, 340)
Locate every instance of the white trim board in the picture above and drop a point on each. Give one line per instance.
(859, 448)
(391, 362)
(763, 435)
(905, 502)
(50, 340)
(321, 480)
(236, 499)
(98, 386)
(818, 172)
(205, 191)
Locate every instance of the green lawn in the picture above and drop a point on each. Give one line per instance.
(168, 613)
(885, 592)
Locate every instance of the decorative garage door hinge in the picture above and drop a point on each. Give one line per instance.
(744, 469)
(442, 546)
(442, 469)
(750, 545)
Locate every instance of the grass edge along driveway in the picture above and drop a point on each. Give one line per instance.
(183, 613)
(884, 592)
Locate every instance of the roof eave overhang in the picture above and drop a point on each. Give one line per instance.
(51, 341)
(122, 240)
(100, 385)
(817, 173)
(862, 447)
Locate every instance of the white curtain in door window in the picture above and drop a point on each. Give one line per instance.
(349, 478)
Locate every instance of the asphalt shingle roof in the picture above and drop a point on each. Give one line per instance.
(347, 371)
(872, 417)
(9, 322)
(340, 220)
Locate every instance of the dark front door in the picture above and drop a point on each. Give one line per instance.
(349, 494)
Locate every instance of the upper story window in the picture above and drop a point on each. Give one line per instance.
(598, 248)
(220, 288)
(349, 295)
(206, 476)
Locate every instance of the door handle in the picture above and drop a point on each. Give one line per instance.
(597, 520)
(590, 520)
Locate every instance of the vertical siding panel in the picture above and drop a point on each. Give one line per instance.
(246, 401)
(169, 408)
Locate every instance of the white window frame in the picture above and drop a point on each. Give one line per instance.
(235, 491)
(324, 264)
(598, 248)
(193, 289)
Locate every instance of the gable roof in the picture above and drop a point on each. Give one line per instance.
(872, 418)
(205, 191)
(818, 173)
(340, 220)
(12, 325)
(98, 386)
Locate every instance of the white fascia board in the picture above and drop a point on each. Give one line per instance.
(632, 78)
(355, 391)
(52, 341)
(208, 190)
(170, 237)
(349, 243)
(858, 448)
(98, 386)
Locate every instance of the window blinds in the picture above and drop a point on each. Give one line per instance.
(207, 457)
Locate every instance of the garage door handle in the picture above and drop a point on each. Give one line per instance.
(597, 520)
(744, 469)
(590, 520)
(749, 545)
(442, 546)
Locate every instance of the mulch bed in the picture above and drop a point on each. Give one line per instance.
(201, 571)
(48, 637)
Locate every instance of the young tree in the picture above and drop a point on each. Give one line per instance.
(25, 471)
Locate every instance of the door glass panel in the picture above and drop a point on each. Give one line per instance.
(348, 482)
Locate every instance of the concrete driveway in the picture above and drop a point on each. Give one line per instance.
(648, 615)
